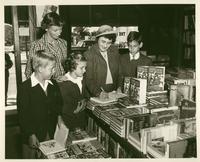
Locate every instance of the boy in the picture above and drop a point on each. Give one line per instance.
(39, 104)
(134, 58)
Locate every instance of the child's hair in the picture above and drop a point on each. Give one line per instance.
(134, 36)
(51, 19)
(72, 61)
(42, 58)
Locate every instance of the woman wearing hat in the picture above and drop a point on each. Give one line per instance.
(102, 73)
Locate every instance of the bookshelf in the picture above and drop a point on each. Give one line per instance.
(189, 37)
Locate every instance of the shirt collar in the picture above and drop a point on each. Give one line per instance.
(34, 80)
(135, 57)
(77, 80)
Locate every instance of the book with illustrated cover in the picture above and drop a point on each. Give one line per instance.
(59, 155)
(142, 72)
(138, 90)
(57, 144)
(126, 86)
(86, 150)
(156, 78)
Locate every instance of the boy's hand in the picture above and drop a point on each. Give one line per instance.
(33, 141)
(81, 106)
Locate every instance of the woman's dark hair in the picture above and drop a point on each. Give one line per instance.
(109, 36)
(51, 19)
(134, 36)
(71, 62)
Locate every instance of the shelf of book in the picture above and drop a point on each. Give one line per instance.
(189, 38)
(131, 151)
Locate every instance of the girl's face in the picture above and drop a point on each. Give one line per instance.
(54, 31)
(104, 44)
(80, 68)
(134, 47)
(48, 70)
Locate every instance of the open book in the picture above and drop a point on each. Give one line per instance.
(57, 144)
(112, 97)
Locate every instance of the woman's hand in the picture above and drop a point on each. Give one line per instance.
(33, 141)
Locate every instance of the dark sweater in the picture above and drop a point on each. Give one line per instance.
(97, 70)
(38, 112)
(129, 68)
(71, 96)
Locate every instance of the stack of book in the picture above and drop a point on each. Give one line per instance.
(128, 103)
(80, 136)
(118, 122)
(99, 109)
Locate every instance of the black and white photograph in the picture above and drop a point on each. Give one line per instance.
(100, 80)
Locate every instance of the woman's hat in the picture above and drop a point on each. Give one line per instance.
(105, 30)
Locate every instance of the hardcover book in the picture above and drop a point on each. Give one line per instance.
(156, 78)
(138, 90)
(142, 72)
(57, 144)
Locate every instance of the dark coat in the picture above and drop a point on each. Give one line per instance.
(38, 112)
(71, 95)
(129, 68)
(96, 71)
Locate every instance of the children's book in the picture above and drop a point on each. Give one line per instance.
(138, 90)
(57, 144)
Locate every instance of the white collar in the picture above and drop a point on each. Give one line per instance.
(69, 77)
(77, 81)
(135, 57)
(35, 81)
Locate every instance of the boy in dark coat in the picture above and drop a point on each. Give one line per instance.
(39, 104)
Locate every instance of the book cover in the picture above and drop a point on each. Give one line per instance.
(126, 86)
(156, 78)
(57, 144)
(138, 90)
(50, 147)
(142, 72)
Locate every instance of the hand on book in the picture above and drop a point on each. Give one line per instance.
(81, 106)
(33, 141)
(103, 95)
